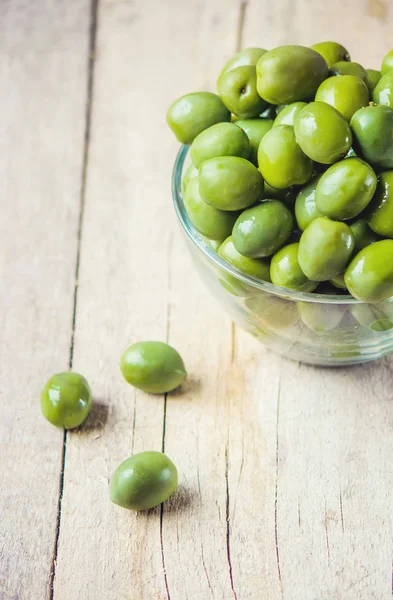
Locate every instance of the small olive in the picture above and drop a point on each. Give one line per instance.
(230, 183)
(281, 161)
(325, 249)
(345, 189)
(387, 63)
(143, 481)
(369, 276)
(66, 400)
(261, 230)
(189, 115)
(189, 174)
(332, 52)
(285, 270)
(305, 205)
(256, 267)
(222, 139)
(211, 222)
(322, 133)
(154, 367)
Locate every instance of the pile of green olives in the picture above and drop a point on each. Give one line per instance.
(291, 174)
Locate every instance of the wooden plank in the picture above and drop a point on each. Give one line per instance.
(363, 26)
(258, 440)
(43, 61)
(332, 510)
(129, 283)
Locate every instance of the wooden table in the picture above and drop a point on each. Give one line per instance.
(285, 470)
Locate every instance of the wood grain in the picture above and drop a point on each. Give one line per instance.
(285, 470)
(129, 289)
(43, 58)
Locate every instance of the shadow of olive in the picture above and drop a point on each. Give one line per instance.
(182, 499)
(190, 385)
(97, 418)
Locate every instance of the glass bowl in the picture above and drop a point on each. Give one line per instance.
(328, 330)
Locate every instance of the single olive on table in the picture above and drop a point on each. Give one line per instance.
(153, 367)
(143, 481)
(66, 400)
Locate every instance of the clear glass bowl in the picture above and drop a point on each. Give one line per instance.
(312, 328)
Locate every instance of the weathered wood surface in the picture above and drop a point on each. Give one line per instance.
(43, 65)
(285, 470)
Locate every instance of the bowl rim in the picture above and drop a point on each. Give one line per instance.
(196, 238)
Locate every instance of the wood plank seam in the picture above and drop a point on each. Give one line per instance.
(276, 489)
(168, 328)
(88, 112)
(239, 42)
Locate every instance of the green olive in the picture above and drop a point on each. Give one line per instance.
(223, 139)
(238, 91)
(346, 94)
(261, 230)
(351, 68)
(378, 317)
(244, 58)
(192, 113)
(374, 76)
(154, 367)
(290, 74)
(230, 183)
(387, 63)
(332, 52)
(214, 244)
(372, 129)
(280, 159)
(320, 317)
(380, 213)
(211, 222)
(143, 481)
(255, 267)
(255, 129)
(322, 133)
(325, 249)
(369, 277)
(285, 270)
(338, 281)
(272, 312)
(362, 233)
(287, 115)
(345, 189)
(189, 174)
(305, 205)
(383, 91)
(66, 400)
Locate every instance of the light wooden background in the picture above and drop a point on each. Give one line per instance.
(286, 471)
